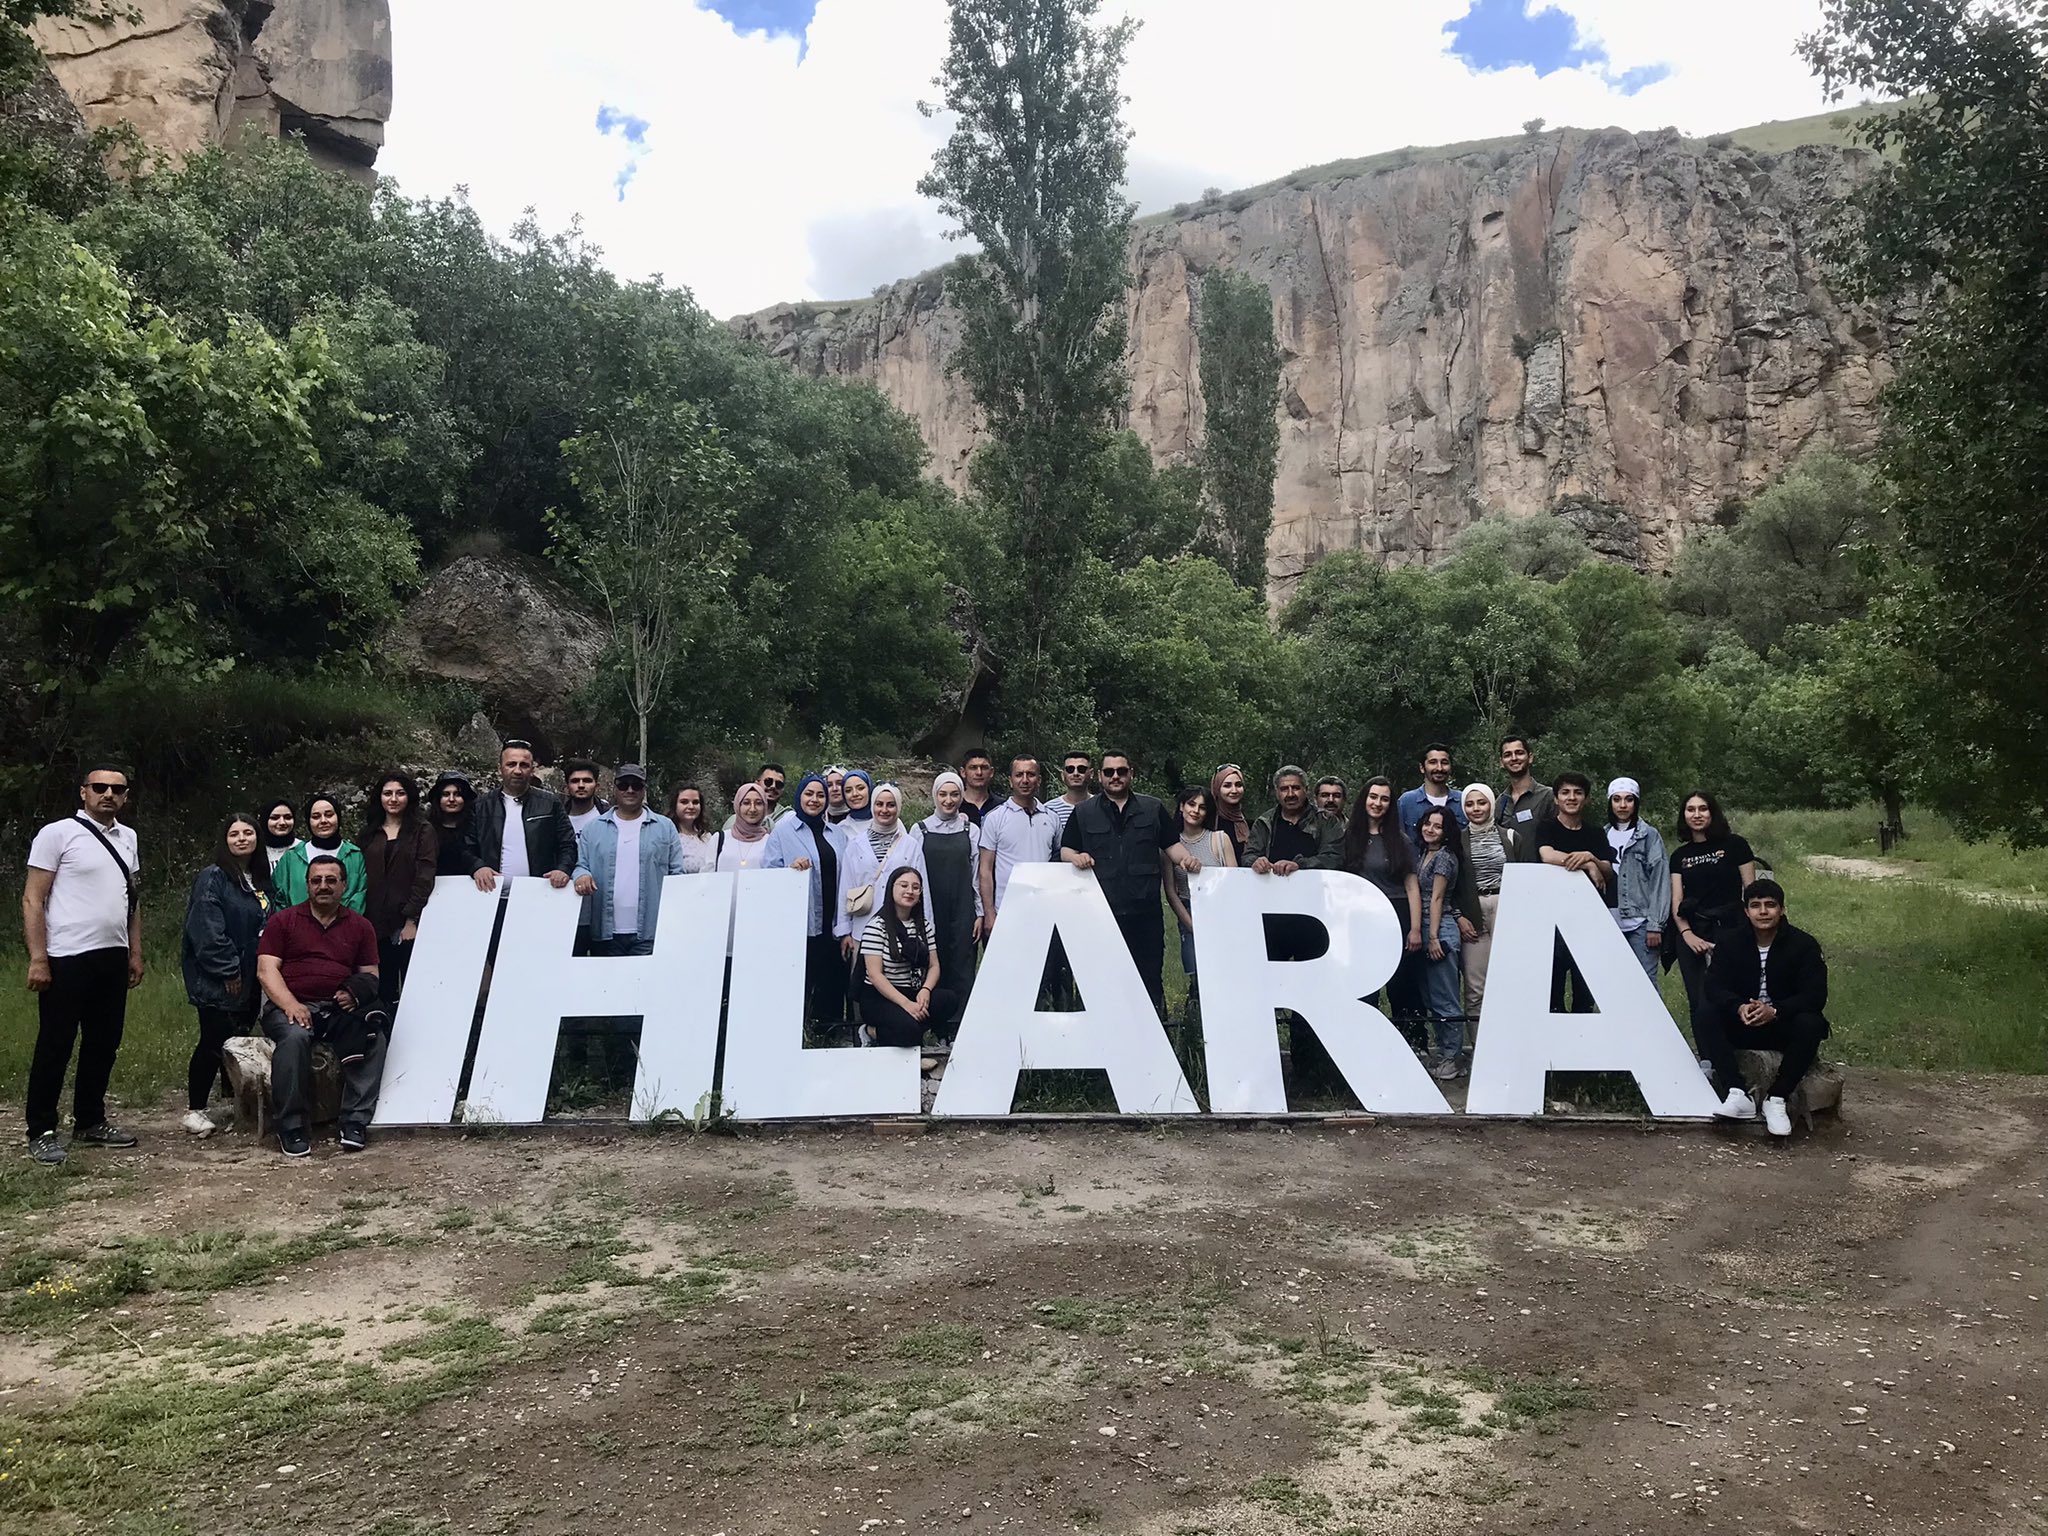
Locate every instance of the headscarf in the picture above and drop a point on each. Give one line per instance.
(1619, 837)
(740, 830)
(270, 838)
(1491, 806)
(943, 825)
(882, 838)
(867, 810)
(313, 842)
(1229, 820)
(796, 801)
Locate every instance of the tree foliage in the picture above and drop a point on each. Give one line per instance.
(1957, 216)
(1240, 368)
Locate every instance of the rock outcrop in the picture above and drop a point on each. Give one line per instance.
(1627, 330)
(503, 625)
(187, 73)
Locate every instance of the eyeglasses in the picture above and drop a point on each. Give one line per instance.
(771, 785)
(108, 789)
(1116, 773)
(1073, 768)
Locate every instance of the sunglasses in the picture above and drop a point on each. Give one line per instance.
(108, 789)
(1075, 768)
(1116, 773)
(771, 785)
(636, 784)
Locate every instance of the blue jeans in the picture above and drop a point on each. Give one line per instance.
(1187, 952)
(626, 944)
(1441, 990)
(1646, 957)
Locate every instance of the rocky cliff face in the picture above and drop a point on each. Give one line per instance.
(187, 73)
(1626, 330)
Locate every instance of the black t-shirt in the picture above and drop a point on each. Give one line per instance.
(1555, 834)
(1710, 872)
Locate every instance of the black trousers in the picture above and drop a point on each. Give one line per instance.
(1796, 1035)
(1292, 937)
(392, 960)
(1144, 934)
(291, 1074)
(86, 1002)
(893, 1024)
(217, 1026)
(824, 981)
(1562, 969)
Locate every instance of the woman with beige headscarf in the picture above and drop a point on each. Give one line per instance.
(1491, 849)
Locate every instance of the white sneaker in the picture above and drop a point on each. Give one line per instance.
(1737, 1106)
(197, 1123)
(1776, 1120)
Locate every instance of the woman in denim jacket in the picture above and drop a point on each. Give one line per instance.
(1641, 873)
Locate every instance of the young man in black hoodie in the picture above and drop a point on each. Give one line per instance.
(1766, 996)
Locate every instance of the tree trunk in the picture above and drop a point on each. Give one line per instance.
(1894, 813)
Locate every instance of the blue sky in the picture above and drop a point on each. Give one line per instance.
(1504, 34)
(765, 150)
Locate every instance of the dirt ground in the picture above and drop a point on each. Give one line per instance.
(1356, 1326)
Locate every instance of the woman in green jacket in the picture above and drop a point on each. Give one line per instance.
(323, 835)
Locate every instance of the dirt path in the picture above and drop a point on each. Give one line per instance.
(1918, 874)
(1489, 1328)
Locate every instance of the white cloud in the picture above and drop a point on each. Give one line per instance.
(762, 178)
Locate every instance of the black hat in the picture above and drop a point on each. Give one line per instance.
(460, 780)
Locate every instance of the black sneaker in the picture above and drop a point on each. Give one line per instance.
(105, 1134)
(293, 1143)
(354, 1138)
(46, 1148)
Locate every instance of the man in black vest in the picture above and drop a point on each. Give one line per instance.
(545, 841)
(1766, 996)
(1127, 839)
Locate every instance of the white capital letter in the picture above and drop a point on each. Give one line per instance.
(1242, 989)
(1116, 1030)
(430, 1036)
(1520, 1039)
(769, 1075)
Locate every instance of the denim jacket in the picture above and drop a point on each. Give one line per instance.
(223, 921)
(597, 855)
(1643, 880)
(791, 840)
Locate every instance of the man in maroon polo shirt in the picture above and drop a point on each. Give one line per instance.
(317, 965)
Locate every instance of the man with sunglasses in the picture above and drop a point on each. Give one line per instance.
(1128, 839)
(83, 926)
(772, 778)
(1077, 776)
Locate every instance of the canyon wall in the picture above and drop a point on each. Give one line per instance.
(1630, 331)
(187, 73)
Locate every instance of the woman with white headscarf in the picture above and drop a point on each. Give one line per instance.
(1642, 876)
(1489, 849)
(880, 847)
(950, 845)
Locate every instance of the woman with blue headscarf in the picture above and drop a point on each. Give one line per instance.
(806, 841)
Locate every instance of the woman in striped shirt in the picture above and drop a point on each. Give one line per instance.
(900, 954)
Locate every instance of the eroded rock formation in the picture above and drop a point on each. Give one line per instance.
(1627, 330)
(187, 73)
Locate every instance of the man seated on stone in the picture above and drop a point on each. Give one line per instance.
(1766, 996)
(317, 965)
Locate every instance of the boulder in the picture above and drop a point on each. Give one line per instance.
(247, 1058)
(1818, 1093)
(507, 627)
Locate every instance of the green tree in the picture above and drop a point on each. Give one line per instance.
(654, 543)
(1032, 171)
(1240, 370)
(1955, 214)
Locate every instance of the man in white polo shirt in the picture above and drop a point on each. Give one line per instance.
(83, 927)
(1018, 831)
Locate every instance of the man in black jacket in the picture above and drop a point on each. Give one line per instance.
(1128, 839)
(546, 842)
(1766, 996)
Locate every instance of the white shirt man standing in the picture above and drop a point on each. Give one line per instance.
(1018, 831)
(83, 927)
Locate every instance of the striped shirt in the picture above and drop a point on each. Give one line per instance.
(905, 974)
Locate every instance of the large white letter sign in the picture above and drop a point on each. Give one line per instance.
(430, 1036)
(1116, 1029)
(537, 982)
(1241, 989)
(769, 1075)
(1520, 1039)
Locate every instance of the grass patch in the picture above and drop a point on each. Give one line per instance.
(939, 1344)
(1279, 1492)
(1528, 1402)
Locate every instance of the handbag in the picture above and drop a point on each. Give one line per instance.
(860, 901)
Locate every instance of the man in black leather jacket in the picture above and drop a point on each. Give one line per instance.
(547, 844)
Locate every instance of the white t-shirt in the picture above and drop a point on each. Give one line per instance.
(512, 860)
(698, 852)
(1018, 837)
(88, 907)
(581, 819)
(626, 876)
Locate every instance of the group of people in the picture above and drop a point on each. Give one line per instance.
(302, 934)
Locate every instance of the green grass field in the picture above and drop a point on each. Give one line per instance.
(1922, 976)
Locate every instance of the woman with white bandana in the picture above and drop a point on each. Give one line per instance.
(1642, 901)
(950, 845)
(882, 846)
(1489, 849)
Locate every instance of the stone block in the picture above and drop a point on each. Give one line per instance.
(247, 1058)
(1818, 1093)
